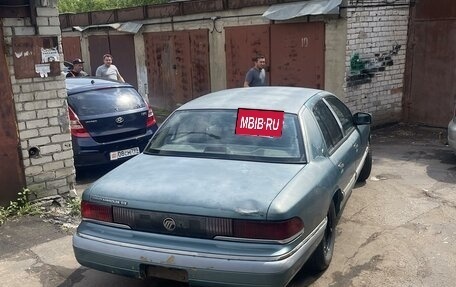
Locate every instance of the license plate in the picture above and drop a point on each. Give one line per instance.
(124, 153)
(167, 273)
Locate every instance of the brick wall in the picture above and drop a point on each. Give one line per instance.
(41, 111)
(375, 58)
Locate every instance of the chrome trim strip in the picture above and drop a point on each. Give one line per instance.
(316, 232)
(117, 225)
(361, 163)
(251, 240)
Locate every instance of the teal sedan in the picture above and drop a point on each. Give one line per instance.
(240, 187)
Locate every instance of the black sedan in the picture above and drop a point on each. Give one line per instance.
(109, 121)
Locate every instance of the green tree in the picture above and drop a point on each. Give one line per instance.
(80, 6)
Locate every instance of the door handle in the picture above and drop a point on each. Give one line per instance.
(341, 165)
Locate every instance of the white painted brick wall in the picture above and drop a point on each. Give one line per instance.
(41, 111)
(371, 31)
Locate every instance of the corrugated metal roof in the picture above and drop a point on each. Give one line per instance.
(297, 9)
(129, 27)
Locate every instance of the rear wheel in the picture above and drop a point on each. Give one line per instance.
(322, 256)
(367, 167)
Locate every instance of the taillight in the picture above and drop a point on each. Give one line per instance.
(77, 129)
(90, 210)
(267, 230)
(150, 117)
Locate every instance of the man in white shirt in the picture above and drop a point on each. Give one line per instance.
(108, 70)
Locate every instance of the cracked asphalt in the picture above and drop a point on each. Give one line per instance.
(398, 229)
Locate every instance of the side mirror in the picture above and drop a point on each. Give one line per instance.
(362, 118)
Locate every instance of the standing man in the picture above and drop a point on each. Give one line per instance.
(108, 70)
(76, 71)
(256, 76)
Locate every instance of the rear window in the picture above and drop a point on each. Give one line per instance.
(211, 133)
(106, 101)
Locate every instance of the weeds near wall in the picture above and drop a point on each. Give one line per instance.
(74, 205)
(22, 206)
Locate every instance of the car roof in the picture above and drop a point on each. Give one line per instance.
(287, 99)
(81, 84)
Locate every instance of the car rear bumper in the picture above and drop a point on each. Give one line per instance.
(88, 152)
(203, 268)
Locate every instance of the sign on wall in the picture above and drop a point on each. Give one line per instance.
(35, 56)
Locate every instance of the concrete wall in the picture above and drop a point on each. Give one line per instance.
(41, 111)
(377, 37)
(335, 39)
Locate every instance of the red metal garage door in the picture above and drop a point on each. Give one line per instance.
(294, 53)
(431, 60)
(297, 54)
(121, 47)
(177, 66)
(11, 172)
(71, 48)
(242, 44)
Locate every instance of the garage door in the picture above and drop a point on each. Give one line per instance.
(11, 172)
(294, 53)
(121, 47)
(431, 60)
(177, 66)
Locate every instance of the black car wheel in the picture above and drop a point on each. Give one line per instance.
(367, 167)
(322, 256)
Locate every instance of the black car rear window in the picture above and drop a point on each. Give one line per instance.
(211, 133)
(105, 101)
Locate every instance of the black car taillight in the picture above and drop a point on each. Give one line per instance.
(267, 230)
(90, 210)
(77, 129)
(150, 117)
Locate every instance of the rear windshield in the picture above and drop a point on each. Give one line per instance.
(105, 101)
(211, 133)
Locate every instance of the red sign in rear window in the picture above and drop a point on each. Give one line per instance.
(259, 123)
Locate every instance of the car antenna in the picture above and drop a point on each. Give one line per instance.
(92, 82)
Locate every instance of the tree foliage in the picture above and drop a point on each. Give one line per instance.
(80, 6)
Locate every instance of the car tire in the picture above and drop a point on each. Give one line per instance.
(366, 170)
(321, 257)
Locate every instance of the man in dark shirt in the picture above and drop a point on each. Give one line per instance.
(77, 69)
(256, 76)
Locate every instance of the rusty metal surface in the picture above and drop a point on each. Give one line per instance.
(98, 46)
(242, 44)
(71, 48)
(131, 14)
(177, 66)
(201, 6)
(103, 17)
(159, 63)
(236, 4)
(121, 47)
(297, 54)
(80, 19)
(164, 10)
(11, 171)
(435, 9)
(28, 53)
(430, 95)
(199, 45)
(178, 8)
(432, 89)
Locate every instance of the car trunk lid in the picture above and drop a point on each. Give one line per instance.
(198, 186)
